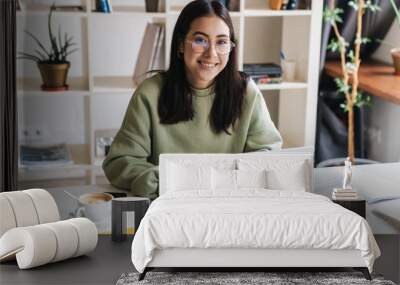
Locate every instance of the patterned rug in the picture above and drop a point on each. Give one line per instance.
(243, 278)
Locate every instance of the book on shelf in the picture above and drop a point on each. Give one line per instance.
(343, 190)
(151, 53)
(263, 70)
(271, 69)
(69, 8)
(267, 79)
(161, 6)
(159, 56)
(344, 194)
(46, 155)
(109, 7)
(334, 197)
(264, 73)
(103, 6)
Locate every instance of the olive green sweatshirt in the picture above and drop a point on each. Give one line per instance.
(132, 162)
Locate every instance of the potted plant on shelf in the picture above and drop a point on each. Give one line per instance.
(350, 61)
(53, 63)
(396, 51)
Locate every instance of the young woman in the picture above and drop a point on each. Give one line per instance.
(201, 104)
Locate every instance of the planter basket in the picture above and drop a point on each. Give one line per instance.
(54, 76)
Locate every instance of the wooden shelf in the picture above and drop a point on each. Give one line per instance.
(176, 10)
(117, 84)
(234, 14)
(80, 156)
(135, 10)
(44, 9)
(259, 13)
(283, 86)
(78, 86)
(276, 13)
(375, 78)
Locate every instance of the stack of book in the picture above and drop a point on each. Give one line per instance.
(264, 73)
(344, 194)
(49, 155)
(151, 56)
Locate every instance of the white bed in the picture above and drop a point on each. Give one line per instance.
(203, 220)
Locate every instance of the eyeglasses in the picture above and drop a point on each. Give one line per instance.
(222, 46)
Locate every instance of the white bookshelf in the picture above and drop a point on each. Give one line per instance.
(100, 77)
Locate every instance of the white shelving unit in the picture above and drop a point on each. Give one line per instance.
(101, 72)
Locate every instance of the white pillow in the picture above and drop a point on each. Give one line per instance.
(236, 179)
(182, 177)
(252, 178)
(224, 179)
(291, 179)
(283, 173)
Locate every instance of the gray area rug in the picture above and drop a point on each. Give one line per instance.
(269, 278)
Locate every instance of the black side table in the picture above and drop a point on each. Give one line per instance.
(138, 205)
(357, 206)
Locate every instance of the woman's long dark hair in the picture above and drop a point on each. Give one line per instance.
(175, 101)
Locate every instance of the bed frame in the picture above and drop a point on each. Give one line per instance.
(242, 259)
(250, 258)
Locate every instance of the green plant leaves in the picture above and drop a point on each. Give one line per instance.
(332, 16)
(369, 5)
(59, 50)
(350, 55)
(333, 45)
(362, 99)
(342, 86)
(353, 4)
(362, 40)
(396, 10)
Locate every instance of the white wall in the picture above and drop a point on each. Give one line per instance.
(383, 118)
(60, 120)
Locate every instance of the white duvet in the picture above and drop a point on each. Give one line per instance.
(252, 218)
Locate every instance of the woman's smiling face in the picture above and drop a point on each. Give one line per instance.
(203, 66)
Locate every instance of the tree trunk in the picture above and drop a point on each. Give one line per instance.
(350, 139)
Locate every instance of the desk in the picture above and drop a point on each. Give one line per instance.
(67, 205)
(374, 78)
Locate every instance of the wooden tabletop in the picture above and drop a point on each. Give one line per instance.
(375, 78)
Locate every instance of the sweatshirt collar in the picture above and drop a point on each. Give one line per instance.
(203, 92)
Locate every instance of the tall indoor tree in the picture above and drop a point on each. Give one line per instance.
(350, 61)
